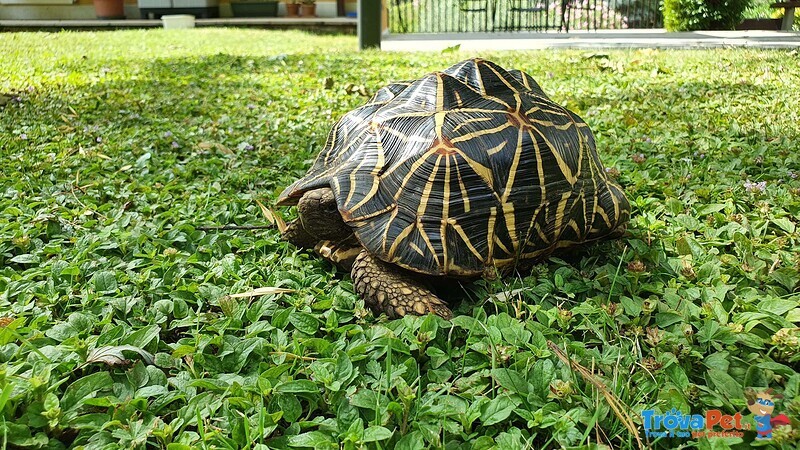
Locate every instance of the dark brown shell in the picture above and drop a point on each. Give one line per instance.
(465, 169)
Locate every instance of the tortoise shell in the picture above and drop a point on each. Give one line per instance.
(465, 169)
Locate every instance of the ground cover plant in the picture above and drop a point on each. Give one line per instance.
(118, 325)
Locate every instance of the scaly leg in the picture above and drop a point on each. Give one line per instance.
(387, 288)
(297, 235)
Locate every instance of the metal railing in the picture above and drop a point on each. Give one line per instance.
(449, 16)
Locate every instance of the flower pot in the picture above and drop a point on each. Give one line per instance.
(292, 9)
(257, 8)
(109, 9)
(308, 10)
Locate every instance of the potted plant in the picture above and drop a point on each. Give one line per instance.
(254, 8)
(109, 9)
(292, 8)
(308, 8)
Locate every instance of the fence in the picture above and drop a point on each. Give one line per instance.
(448, 16)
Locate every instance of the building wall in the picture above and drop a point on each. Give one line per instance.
(83, 9)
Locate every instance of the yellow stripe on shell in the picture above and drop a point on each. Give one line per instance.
(562, 164)
(473, 135)
(464, 194)
(445, 212)
(490, 233)
(423, 205)
(465, 238)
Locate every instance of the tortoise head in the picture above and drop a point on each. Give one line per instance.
(320, 215)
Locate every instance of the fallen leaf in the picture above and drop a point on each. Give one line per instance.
(112, 355)
(262, 291)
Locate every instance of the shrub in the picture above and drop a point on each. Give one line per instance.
(690, 15)
(760, 9)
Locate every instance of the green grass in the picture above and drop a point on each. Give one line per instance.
(118, 332)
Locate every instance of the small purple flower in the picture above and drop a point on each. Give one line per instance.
(251, 106)
(759, 187)
(175, 144)
(793, 175)
(168, 134)
(23, 136)
(647, 140)
(30, 88)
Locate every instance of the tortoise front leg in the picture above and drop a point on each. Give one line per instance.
(387, 288)
(343, 253)
(297, 235)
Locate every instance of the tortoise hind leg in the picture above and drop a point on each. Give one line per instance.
(387, 288)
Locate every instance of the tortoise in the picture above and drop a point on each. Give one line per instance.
(462, 173)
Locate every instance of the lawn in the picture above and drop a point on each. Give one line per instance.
(119, 331)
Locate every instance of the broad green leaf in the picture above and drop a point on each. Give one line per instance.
(304, 322)
(541, 376)
(376, 433)
(498, 409)
(25, 258)
(291, 407)
(411, 441)
(784, 224)
(142, 337)
(105, 281)
(313, 439)
(84, 388)
(297, 386)
(725, 384)
(512, 380)
(779, 306)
